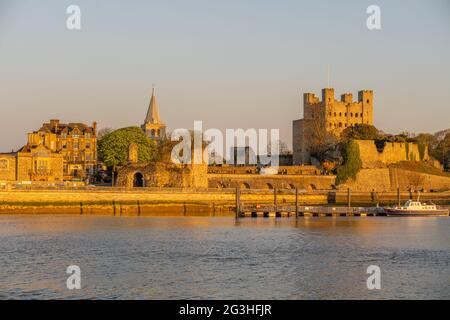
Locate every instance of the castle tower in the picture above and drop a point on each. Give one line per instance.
(153, 127)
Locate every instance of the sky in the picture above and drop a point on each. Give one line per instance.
(232, 64)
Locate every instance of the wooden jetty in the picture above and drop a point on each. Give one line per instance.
(295, 210)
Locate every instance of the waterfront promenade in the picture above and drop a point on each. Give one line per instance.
(173, 201)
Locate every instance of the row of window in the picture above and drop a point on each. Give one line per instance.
(356, 115)
(341, 125)
(76, 136)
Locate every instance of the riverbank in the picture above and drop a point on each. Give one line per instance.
(208, 202)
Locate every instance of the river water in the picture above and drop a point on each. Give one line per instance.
(224, 258)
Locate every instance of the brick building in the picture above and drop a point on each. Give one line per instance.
(77, 142)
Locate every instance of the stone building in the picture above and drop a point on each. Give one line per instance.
(77, 142)
(328, 117)
(153, 127)
(33, 162)
(160, 174)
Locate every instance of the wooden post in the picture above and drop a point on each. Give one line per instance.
(275, 199)
(138, 208)
(114, 207)
(349, 198)
(81, 208)
(296, 203)
(398, 196)
(238, 202)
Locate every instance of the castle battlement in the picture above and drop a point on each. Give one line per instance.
(329, 115)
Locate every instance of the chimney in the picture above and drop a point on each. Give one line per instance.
(54, 124)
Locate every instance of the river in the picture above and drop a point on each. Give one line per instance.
(223, 257)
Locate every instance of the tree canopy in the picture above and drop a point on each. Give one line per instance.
(361, 132)
(113, 147)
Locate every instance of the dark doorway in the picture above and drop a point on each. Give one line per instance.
(138, 181)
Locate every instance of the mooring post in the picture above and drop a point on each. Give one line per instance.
(238, 202)
(275, 200)
(296, 203)
(81, 208)
(138, 208)
(349, 198)
(398, 196)
(114, 207)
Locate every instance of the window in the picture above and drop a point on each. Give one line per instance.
(351, 114)
(4, 164)
(356, 115)
(335, 114)
(75, 145)
(340, 114)
(88, 145)
(340, 124)
(368, 101)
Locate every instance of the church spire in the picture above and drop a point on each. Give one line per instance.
(153, 127)
(152, 113)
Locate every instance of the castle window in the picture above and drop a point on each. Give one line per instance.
(329, 114)
(356, 115)
(331, 125)
(159, 132)
(4, 164)
(153, 133)
(88, 145)
(361, 114)
(340, 124)
(345, 114)
(335, 114)
(368, 101)
(351, 114)
(346, 125)
(340, 114)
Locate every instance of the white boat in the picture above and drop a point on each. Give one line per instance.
(416, 208)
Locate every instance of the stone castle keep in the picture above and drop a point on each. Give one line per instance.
(328, 116)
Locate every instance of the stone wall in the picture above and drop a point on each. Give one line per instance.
(392, 152)
(253, 181)
(389, 179)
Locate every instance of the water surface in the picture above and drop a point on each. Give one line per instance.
(224, 258)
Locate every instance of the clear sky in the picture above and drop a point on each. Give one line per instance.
(230, 63)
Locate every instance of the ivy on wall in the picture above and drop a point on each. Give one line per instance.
(352, 163)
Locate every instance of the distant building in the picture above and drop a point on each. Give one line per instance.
(77, 142)
(153, 127)
(328, 116)
(33, 162)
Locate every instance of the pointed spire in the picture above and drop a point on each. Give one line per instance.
(152, 113)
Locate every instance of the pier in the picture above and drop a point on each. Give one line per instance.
(246, 209)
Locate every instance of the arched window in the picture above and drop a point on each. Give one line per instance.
(340, 114)
(340, 124)
(245, 185)
(4, 164)
(356, 115)
(269, 186)
(153, 132)
(351, 114)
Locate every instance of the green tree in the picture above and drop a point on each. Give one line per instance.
(352, 162)
(361, 132)
(113, 147)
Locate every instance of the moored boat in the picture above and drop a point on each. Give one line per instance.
(416, 208)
